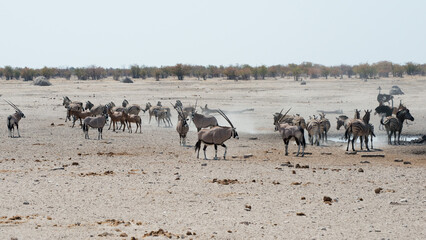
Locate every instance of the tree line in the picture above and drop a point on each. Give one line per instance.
(383, 69)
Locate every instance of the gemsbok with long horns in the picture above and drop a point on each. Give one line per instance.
(13, 120)
(182, 126)
(288, 132)
(94, 122)
(203, 121)
(215, 136)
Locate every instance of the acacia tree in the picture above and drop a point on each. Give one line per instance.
(8, 72)
(383, 68)
(412, 68)
(180, 71)
(263, 71)
(295, 71)
(397, 70)
(135, 69)
(231, 73)
(325, 71)
(46, 72)
(27, 74)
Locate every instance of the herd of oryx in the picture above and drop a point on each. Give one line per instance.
(210, 133)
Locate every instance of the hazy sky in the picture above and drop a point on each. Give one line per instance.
(105, 33)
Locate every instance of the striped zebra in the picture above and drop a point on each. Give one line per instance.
(313, 130)
(324, 127)
(394, 124)
(357, 128)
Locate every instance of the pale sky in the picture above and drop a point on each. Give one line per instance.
(79, 33)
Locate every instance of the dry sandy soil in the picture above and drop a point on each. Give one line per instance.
(55, 184)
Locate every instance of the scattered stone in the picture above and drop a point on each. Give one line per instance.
(247, 207)
(286, 164)
(245, 223)
(276, 182)
(360, 199)
(360, 170)
(296, 183)
(248, 155)
(105, 234)
(126, 80)
(203, 164)
(300, 214)
(234, 156)
(52, 124)
(403, 200)
(326, 153)
(407, 162)
(75, 164)
(323, 229)
(378, 190)
(294, 171)
(302, 198)
(26, 203)
(351, 153)
(59, 168)
(398, 160)
(253, 138)
(364, 162)
(229, 231)
(123, 235)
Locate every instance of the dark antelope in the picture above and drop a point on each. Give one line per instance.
(13, 120)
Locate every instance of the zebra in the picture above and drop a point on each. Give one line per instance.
(395, 124)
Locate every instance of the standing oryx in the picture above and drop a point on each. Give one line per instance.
(288, 132)
(13, 120)
(182, 126)
(215, 136)
(203, 121)
(94, 122)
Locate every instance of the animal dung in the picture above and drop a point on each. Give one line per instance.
(327, 200)
(300, 214)
(378, 190)
(225, 181)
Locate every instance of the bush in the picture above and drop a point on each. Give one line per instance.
(41, 81)
(126, 80)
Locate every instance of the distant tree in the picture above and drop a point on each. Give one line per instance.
(17, 73)
(231, 73)
(295, 70)
(325, 71)
(383, 68)
(346, 70)
(397, 70)
(213, 71)
(180, 71)
(81, 74)
(157, 74)
(46, 72)
(199, 72)
(245, 72)
(27, 74)
(135, 69)
(8, 72)
(263, 71)
(412, 68)
(255, 72)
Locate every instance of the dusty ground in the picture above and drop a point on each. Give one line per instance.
(55, 184)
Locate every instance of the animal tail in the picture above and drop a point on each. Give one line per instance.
(9, 123)
(198, 145)
(303, 137)
(348, 131)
